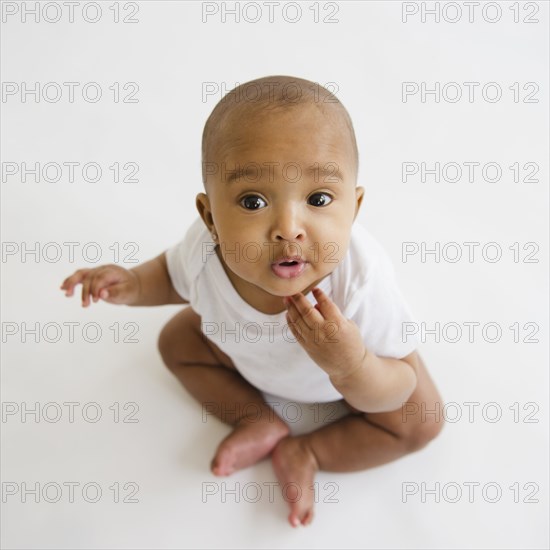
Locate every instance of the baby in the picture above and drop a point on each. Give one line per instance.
(276, 247)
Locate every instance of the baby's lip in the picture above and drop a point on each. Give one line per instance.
(283, 259)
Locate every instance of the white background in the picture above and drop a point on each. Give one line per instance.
(367, 53)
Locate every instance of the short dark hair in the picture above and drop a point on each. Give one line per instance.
(270, 93)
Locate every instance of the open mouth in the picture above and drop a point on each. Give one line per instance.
(288, 268)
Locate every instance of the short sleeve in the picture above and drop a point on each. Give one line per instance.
(382, 314)
(177, 263)
(184, 260)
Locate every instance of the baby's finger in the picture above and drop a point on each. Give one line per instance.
(86, 291)
(304, 310)
(327, 308)
(70, 282)
(295, 328)
(104, 294)
(99, 282)
(292, 313)
(115, 292)
(69, 289)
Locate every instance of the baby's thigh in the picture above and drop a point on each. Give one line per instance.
(181, 342)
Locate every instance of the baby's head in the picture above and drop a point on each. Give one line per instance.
(279, 164)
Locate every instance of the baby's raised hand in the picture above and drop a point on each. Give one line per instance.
(111, 283)
(331, 340)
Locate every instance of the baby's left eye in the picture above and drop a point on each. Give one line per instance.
(321, 201)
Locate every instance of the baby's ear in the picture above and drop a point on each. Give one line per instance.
(202, 202)
(359, 194)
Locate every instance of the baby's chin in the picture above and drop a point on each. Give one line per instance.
(291, 287)
(281, 288)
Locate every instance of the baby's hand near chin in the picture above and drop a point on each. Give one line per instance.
(331, 340)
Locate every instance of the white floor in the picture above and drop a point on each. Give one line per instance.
(153, 437)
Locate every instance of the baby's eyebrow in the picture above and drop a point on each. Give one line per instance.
(239, 172)
(328, 173)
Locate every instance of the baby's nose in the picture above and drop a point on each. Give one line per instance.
(288, 226)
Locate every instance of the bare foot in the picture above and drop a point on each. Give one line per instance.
(248, 443)
(295, 466)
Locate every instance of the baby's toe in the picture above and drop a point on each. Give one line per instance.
(223, 462)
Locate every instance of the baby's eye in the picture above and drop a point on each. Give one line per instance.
(322, 201)
(251, 202)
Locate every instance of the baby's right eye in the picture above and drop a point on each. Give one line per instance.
(250, 202)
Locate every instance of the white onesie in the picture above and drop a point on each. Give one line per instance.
(262, 346)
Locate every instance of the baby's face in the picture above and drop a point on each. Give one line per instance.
(298, 198)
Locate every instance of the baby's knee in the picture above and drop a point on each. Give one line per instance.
(181, 342)
(420, 431)
(165, 346)
(177, 339)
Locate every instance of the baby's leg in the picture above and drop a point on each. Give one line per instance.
(357, 442)
(210, 377)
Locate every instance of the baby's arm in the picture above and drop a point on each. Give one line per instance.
(379, 384)
(155, 285)
(145, 285)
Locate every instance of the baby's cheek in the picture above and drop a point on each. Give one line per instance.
(331, 254)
